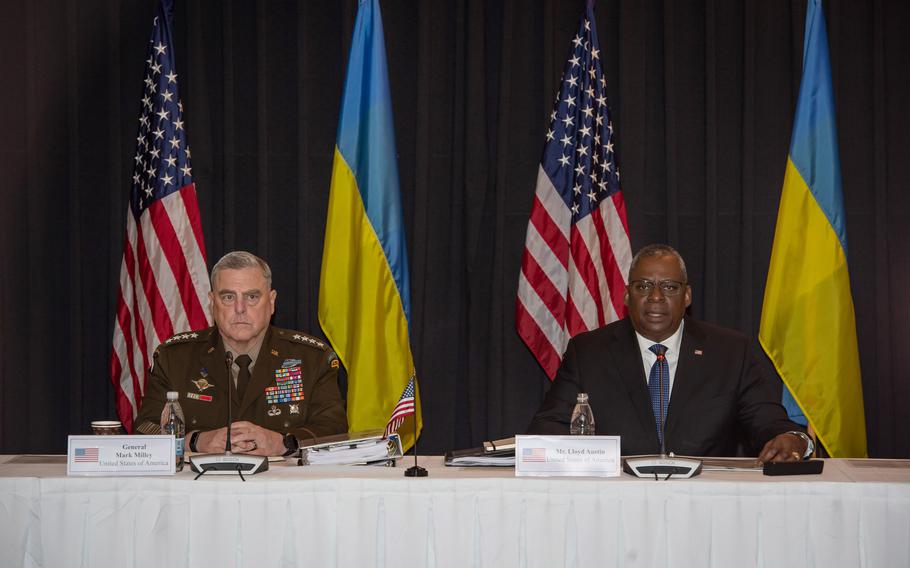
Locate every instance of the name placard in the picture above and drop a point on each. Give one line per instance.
(121, 455)
(572, 456)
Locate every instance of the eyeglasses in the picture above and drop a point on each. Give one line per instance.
(667, 287)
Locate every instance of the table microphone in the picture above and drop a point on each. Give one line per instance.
(228, 462)
(647, 466)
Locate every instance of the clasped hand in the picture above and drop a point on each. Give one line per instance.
(246, 438)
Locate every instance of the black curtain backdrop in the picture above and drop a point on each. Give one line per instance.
(703, 95)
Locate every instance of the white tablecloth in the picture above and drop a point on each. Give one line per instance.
(855, 514)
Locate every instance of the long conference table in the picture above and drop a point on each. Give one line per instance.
(855, 514)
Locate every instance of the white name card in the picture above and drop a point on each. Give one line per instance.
(573, 456)
(121, 455)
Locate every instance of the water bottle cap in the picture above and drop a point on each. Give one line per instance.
(173, 395)
(582, 397)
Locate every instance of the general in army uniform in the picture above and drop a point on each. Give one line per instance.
(286, 382)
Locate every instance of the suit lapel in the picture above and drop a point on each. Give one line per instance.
(626, 352)
(266, 363)
(688, 370)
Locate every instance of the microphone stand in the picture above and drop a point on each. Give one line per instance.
(646, 466)
(228, 462)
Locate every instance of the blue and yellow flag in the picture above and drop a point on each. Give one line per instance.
(364, 290)
(807, 323)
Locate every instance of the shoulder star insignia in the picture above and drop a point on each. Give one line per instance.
(307, 339)
(181, 337)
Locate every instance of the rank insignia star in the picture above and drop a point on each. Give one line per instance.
(308, 339)
(182, 337)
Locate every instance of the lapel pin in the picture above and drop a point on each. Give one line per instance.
(699, 352)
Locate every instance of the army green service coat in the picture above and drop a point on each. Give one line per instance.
(193, 364)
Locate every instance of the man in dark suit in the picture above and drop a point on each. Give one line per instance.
(714, 388)
(285, 382)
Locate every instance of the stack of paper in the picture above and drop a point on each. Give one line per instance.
(474, 461)
(351, 449)
(499, 453)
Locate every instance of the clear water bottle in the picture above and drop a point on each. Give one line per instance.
(173, 424)
(582, 417)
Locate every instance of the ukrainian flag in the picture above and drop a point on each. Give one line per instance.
(807, 323)
(364, 290)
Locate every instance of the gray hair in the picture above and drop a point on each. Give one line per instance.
(657, 249)
(238, 260)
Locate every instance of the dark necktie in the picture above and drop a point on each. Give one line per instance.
(243, 376)
(660, 372)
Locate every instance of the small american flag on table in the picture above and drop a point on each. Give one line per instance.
(403, 409)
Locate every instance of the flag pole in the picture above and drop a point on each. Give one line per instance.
(415, 470)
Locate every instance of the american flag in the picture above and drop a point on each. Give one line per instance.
(163, 281)
(403, 409)
(533, 455)
(577, 250)
(88, 455)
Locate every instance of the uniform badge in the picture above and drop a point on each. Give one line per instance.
(274, 352)
(294, 408)
(274, 411)
(202, 384)
(289, 363)
(197, 396)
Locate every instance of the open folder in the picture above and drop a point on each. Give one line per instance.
(492, 453)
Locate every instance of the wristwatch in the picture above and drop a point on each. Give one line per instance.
(194, 437)
(291, 444)
(810, 445)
